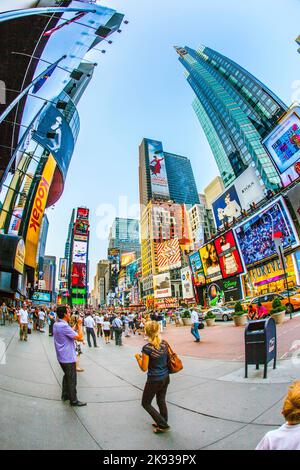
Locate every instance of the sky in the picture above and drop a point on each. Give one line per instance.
(139, 90)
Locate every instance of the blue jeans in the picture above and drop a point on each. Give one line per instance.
(195, 331)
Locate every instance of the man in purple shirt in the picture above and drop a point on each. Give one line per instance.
(64, 337)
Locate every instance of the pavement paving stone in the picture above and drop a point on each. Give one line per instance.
(246, 438)
(29, 388)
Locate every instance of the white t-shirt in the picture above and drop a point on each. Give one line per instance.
(23, 314)
(98, 320)
(89, 322)
(287, 437)
(41, 315)
(106, 325)
(194, 316)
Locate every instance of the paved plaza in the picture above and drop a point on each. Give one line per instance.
(211, 405)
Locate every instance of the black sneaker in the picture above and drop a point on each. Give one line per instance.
(78, 403)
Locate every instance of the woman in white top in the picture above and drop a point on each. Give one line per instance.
(106, 329)
(287, 437)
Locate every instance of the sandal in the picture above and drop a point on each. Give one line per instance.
(158, 430)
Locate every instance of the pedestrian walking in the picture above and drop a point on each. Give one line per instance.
(154, 360)
(106, 326)
(195, 325)
(42, 316)
(64, 337)
(90, 324)
(23, 322)
(3, 313)
(126, 323)
(159, 320)
(118, 330)
(51, 320)
(287, 437)
(99, 319)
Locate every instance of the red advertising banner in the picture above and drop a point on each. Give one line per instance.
(229, 257)
(82, 213)
(78, 275)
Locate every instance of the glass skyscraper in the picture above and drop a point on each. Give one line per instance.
(125, 235)
(235, 110)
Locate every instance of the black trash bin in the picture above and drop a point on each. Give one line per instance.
(260, 344)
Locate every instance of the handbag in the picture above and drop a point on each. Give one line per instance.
(200, 326)
(174, 362)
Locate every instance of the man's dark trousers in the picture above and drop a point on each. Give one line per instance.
(118, 336)
(91, 333)
(69, 382)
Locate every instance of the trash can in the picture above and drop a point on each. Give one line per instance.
(260, 344)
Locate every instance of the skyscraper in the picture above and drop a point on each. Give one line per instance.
(125, 236)
(235, 110)
(165, 176)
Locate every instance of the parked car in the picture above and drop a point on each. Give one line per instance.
(222, 313)
(267, 300)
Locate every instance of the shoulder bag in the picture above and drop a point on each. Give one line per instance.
(174, 362)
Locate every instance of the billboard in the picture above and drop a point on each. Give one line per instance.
(42, 296)
(131, 273)
(127, 258)
(158, 172)
(187, 283)
(255, 236)
(223, 291)
(78, 276)
(79, 252)
(245, 190)
(197, 269)
(293, 196)
(37, 212)
(228, 253)
(168, 255)
(82, 213)
(283, 144)
(54, 133)
(81, 227)
(162, 286)
(63, 269)
(210, 261)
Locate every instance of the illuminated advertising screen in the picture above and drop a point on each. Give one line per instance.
(210, 261)
(127, 258)
(42, 296)
(283, 144)
(63, 269)
(81, 227)
(131, 273)
(255, 236)
(187, 283)
(197, 269)
(79, 252)
(229, 257)
(82, 213)
(78, 275)
(162, 286)
(225, 290)
(158, 172)
(168, 255)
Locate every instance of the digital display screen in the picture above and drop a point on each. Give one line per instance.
(79, 252)
(197, 269)
(210, 261)
(229, 257)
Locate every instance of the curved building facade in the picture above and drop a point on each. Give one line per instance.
(46, 73)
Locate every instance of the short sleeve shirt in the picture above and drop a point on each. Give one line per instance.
(158, 361)
(64, 342)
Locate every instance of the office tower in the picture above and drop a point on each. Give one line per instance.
(49, 274)
(213, 190)
(235, 110)
(165, 176)
(201, 222)
(125, 236)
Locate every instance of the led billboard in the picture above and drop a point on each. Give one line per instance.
(197, 269)
(82, 213)
(283, 144)
(228, 253)
(158, 172)
(63, 269)
(255, 235)
(210, 261)
(168, 255)
(79, 252)
(187, 283)
(162, 286)
(78, 276)
(225, 290)
(127, 258)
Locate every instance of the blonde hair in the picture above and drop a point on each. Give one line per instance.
(291, 405)
(151, 330)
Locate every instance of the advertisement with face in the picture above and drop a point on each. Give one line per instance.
(78, 275)
(229, 257)
(210, 261)
(227, 207)
(224, 291)
(255, 236)
(197, 269)
(158, 172)
(162, 286)
(284, 141)
(79, 252)
(187, 283)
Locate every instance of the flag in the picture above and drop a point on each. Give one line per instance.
(76, 17)
(38, 85)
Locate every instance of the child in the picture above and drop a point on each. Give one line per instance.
(287, 437)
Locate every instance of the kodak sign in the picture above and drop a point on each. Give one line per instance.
(37, 212)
